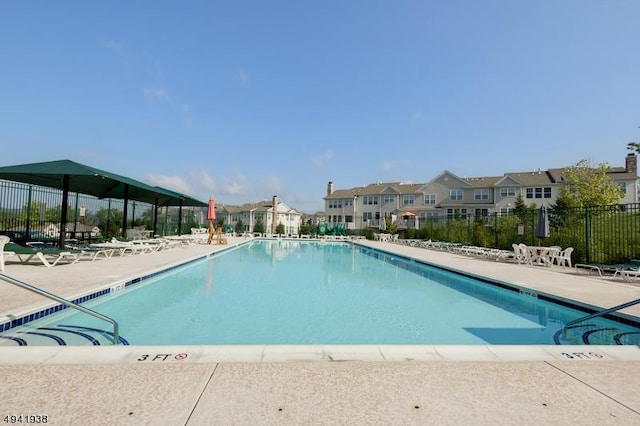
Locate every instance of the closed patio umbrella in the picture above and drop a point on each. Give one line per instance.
(542, 228)
(211, 216)
(383, 224)
(211, 211)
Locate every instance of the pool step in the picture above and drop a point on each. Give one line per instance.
(590, 334)
(71, 335)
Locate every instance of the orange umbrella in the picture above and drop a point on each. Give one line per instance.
(211, 211)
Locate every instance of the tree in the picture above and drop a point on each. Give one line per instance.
(590, 186)
(239, 227)
(306, 228)
(520, 208)
(109, 222)
(280, 229)
(259, 226)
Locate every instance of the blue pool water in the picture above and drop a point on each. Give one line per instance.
(304, 292)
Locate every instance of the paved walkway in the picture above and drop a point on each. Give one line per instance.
(318, 385)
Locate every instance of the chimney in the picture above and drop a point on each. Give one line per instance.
(274, 222)
(330, 188)
(631, 163)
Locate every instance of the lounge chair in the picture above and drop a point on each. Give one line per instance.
(3, 241)
(48, 256)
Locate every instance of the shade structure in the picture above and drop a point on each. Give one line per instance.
(211, 210)
(70, 176)
(542, 227)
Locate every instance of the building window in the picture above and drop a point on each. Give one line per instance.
(456, 213)
(505, 211)
(367, 216)
(348, 219)
(481, 194)
(389, 199)
(455, 194)
(369, 200)
(335, 204)
(507, 192)
(347, 202)
(623, 187)
(408, 200)
(538, 192)
(429, 199)
(482, 212)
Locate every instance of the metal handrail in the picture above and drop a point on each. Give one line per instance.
(599, 314)
(116, 334)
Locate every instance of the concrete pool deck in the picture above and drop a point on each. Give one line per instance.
(319, 384)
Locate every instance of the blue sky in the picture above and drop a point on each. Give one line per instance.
(248, 99)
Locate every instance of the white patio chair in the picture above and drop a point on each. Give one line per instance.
(564, 257)
(521, 253)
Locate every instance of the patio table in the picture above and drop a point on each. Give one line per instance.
(540, 255)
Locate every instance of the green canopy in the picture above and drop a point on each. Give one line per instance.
(70, 176)
(88, 180)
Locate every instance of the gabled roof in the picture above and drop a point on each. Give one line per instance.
(446, 174)
(539, 177)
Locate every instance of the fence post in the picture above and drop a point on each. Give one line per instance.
(587, 232)
(495, 227)
(27, 225)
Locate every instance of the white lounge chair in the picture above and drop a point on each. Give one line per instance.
(3, 240)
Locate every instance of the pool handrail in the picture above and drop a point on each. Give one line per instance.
(599, 314)
(68, 303)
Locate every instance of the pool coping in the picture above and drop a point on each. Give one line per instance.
(162, 355)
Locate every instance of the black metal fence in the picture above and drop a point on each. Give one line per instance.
(32, 213)
(598, 234)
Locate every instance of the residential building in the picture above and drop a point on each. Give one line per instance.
(448, 195)
(251, 213)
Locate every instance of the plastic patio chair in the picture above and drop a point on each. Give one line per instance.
(564, 257)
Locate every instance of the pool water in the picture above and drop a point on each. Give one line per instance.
(306, 292)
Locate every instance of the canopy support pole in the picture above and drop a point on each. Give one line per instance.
(63, 213)
(124, 213)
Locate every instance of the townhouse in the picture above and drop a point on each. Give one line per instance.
(448, 195)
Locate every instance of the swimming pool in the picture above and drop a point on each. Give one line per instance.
(304, 292)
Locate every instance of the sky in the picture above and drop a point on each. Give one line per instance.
(245, 99)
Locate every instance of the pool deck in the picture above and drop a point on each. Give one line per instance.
(319, 384)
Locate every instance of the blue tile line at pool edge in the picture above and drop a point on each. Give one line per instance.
(504, 285)
(25, 319)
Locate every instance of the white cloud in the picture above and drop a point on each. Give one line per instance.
(156, 94)
(174, 183)
(273, 185)
(202, 179)
(322, 159)
(238, 184)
